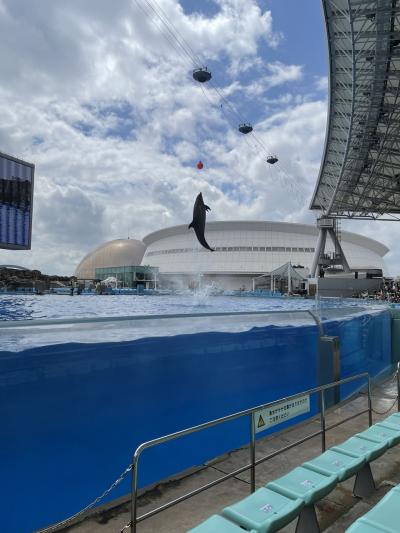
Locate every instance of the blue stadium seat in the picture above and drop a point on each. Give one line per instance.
(265, 511)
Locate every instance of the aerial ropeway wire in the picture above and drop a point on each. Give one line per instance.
(183, 48)
(202, 75)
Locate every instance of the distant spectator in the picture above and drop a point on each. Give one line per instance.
(389, 292)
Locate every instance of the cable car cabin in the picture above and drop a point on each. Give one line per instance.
(245, 128)
(272, 159)
(201, 75)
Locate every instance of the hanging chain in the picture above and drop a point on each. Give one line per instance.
(387, 410)
(92, 504)
(391, 379)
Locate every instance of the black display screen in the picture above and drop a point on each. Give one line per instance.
(16, 195)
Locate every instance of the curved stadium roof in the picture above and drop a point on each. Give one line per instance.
(360, 170)
(238, 226)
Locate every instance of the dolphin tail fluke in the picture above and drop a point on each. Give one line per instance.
(205, 244)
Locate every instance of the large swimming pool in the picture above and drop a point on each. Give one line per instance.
(28, 307)
(77, 397)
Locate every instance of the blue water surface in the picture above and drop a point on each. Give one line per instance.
(29, 307)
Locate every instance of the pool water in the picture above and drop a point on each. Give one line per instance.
(29, 307)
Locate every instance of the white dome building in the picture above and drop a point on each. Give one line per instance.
(245, 249)
(117, 253)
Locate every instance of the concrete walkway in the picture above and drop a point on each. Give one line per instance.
(335, 512)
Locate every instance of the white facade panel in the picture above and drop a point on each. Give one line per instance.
(247, 249)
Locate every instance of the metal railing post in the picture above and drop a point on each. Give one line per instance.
(252, 453)
(134, 494)
(323, 434)
(253, 462)
(369, 402)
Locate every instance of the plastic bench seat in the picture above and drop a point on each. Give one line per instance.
(309, 486)
(392, 421)
(336, 463)
(265, 511)
(381, 433)
(359, 446)
(365, 526)
(384, 517)
(217, 524)
(393, 416)
(305, 484)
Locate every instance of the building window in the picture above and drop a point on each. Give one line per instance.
(230, 249)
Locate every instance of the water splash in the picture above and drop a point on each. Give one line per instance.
(201, 295)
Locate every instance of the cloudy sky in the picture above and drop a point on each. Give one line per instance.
(100, 96)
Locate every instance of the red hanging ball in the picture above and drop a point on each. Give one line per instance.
(200, 165)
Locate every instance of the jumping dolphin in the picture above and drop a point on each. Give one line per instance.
(199, 221)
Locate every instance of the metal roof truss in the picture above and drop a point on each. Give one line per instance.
(360, 170)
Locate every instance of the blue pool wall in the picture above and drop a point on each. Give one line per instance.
(72, 414)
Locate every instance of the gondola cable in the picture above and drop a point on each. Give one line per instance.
(195, 60)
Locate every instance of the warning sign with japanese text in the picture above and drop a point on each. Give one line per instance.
(280, 412)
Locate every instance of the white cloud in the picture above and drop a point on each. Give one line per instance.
(277, 74)
(97, 98)
(322, 83)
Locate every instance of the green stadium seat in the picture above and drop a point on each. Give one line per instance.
(392, 421)
(336, 464)
(393, 416)
(305, 484)
(365, 526)
(265, 511)
(272, 507)
(381, 433)
(359, 446)
(384, 517)
(309, 486)
(218, 524)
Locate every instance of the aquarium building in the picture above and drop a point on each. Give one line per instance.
(109, 256)
(245, 250)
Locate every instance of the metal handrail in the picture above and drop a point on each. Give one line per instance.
(253, 462)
